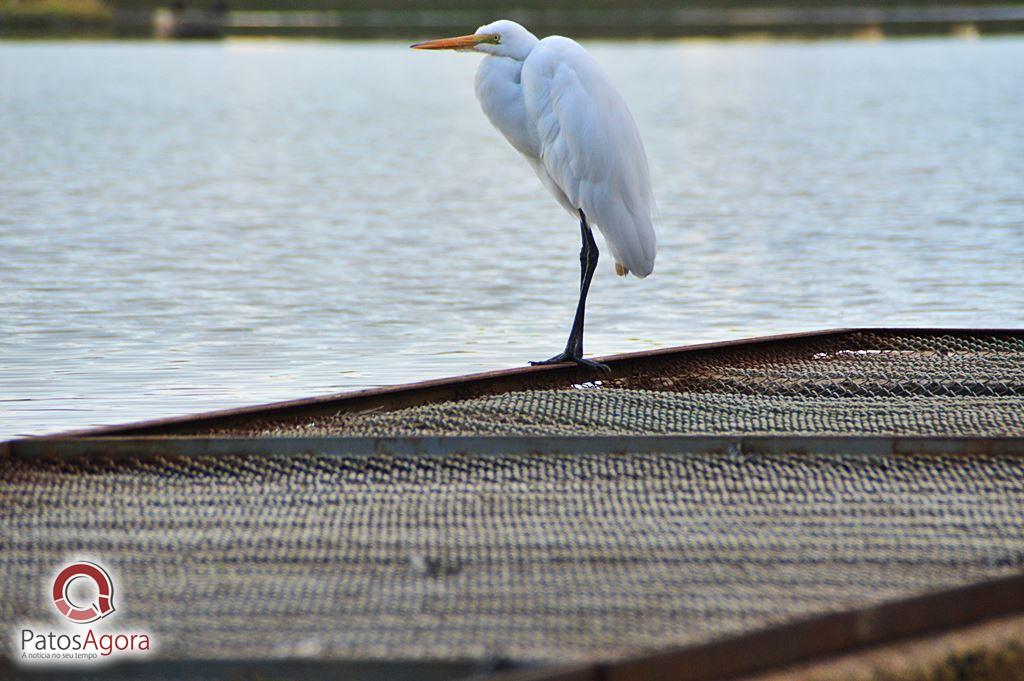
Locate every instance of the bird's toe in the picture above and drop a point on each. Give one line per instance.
(565, 357)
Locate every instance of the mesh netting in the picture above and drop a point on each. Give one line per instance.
(867, 383)
(542, 557)
(641, 412)
(523, 557)
(993, 651)
(870, 364)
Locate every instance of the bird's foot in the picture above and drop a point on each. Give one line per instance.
(573, 357)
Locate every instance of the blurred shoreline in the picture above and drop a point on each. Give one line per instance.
(94, 18)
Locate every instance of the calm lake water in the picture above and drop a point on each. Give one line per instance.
(190, 227)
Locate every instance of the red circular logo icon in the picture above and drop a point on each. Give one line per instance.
(82, 614)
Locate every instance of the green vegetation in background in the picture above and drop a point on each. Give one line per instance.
(509, 5)
(586, 18)
(54, 16)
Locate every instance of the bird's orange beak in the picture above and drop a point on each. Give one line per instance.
(462, 42)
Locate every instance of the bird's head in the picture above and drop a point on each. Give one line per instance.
(502, 38)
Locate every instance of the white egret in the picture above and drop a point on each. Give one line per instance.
(552, 102)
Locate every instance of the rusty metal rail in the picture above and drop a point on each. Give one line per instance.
(422, 392)
(840, 632)
(129, 447)
(475, 385)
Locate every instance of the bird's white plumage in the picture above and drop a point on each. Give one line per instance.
(553, 103)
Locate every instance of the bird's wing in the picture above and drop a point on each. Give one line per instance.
(591, 148)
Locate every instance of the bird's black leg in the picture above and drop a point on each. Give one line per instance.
(588, 264)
